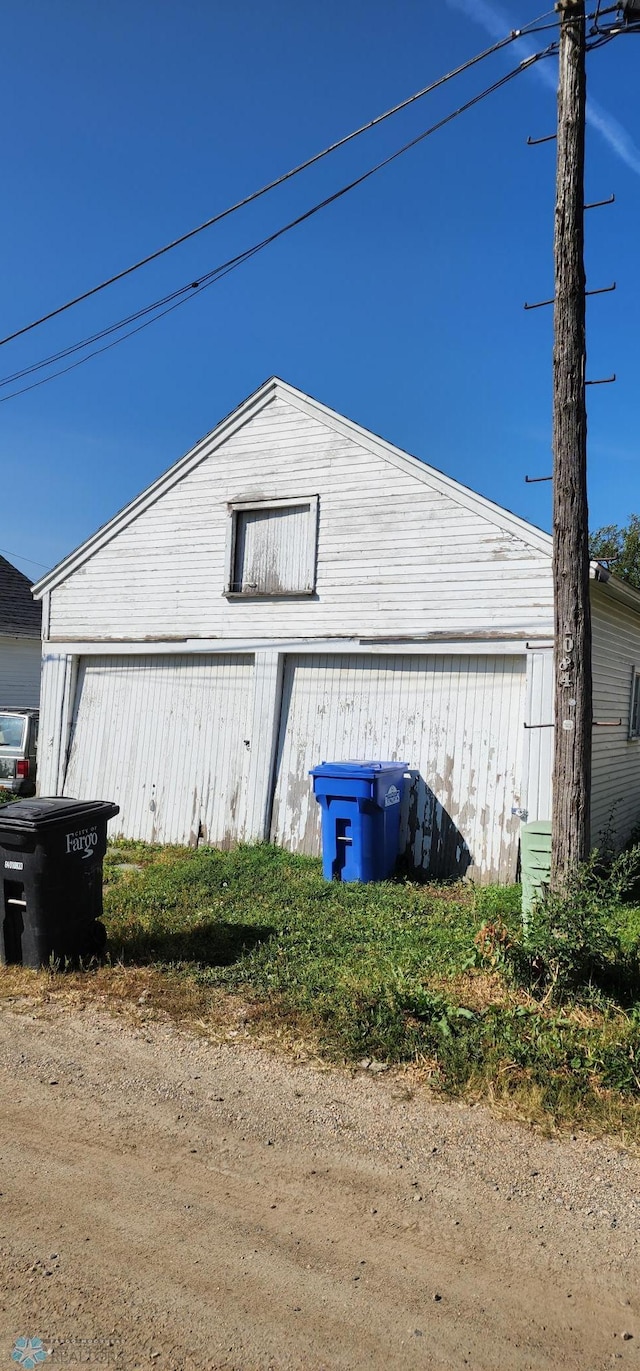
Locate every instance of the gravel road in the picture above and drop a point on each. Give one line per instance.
(172, 1203)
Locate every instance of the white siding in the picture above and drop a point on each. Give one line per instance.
(615, 790)
(57, 673)
(20, 660)
(164, 737)
(395, 556)
(456, 721)
(538, 735)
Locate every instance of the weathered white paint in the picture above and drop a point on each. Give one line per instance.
(440, 647)
(20, 672)
(615, 791)
(272, 548)
(58, 671)
(278, 390)
(263, 736)
(537, 760)
(457, 722)
(46, 614)
(401, 550)
(166, 739)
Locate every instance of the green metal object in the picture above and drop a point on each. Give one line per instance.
(535, 858)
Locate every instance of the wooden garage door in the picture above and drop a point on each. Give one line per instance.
(164, 738)
(457, 721)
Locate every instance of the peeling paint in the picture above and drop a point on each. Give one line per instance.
(455, 815)
(181, 723)
(194, 827)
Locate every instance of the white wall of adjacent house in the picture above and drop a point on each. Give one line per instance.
(390, 555)
(538, 730)
(20, 660)
(615, 785)
(615, 792)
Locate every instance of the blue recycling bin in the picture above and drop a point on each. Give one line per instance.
(360, 818)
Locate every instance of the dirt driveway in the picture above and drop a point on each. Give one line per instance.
(171, 1203)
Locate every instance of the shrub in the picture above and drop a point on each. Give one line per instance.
(573, 938)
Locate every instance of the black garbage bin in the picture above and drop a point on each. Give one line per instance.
(51, 854)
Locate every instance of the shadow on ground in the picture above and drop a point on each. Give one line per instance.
(211, 944)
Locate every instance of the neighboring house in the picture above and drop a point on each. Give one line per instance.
(20, 645)
(296, 589)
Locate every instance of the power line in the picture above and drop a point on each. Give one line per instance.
(20, 558)
(171, 302)
(280, 180)
(101, 333)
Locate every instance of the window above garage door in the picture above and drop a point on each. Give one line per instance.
(271, 547)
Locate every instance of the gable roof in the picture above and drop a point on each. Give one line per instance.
(271, 390)
(20, 616)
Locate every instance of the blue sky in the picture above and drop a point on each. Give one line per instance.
(401, 306)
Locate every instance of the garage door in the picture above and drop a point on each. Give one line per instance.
(457, 721)
(164, 738)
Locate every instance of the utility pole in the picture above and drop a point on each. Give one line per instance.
(573, 688)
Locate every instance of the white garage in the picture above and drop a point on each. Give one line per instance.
(296, 589)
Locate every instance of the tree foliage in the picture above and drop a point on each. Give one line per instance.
(619, 548)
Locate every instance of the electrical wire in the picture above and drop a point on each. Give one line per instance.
(102, 333)
(178, 296)
(528, 29)
(602, 40)
(167, 304)
(6, 553)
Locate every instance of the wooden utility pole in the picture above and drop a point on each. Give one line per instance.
(573, 691)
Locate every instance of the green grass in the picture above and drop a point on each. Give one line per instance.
(388, 971)
(286, 925)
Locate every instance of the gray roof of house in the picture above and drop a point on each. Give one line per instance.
(20, 615)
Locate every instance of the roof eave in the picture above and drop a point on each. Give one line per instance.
(617, 589)
(217, 436)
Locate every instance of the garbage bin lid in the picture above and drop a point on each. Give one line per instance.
(33, 815)
(365, 770)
